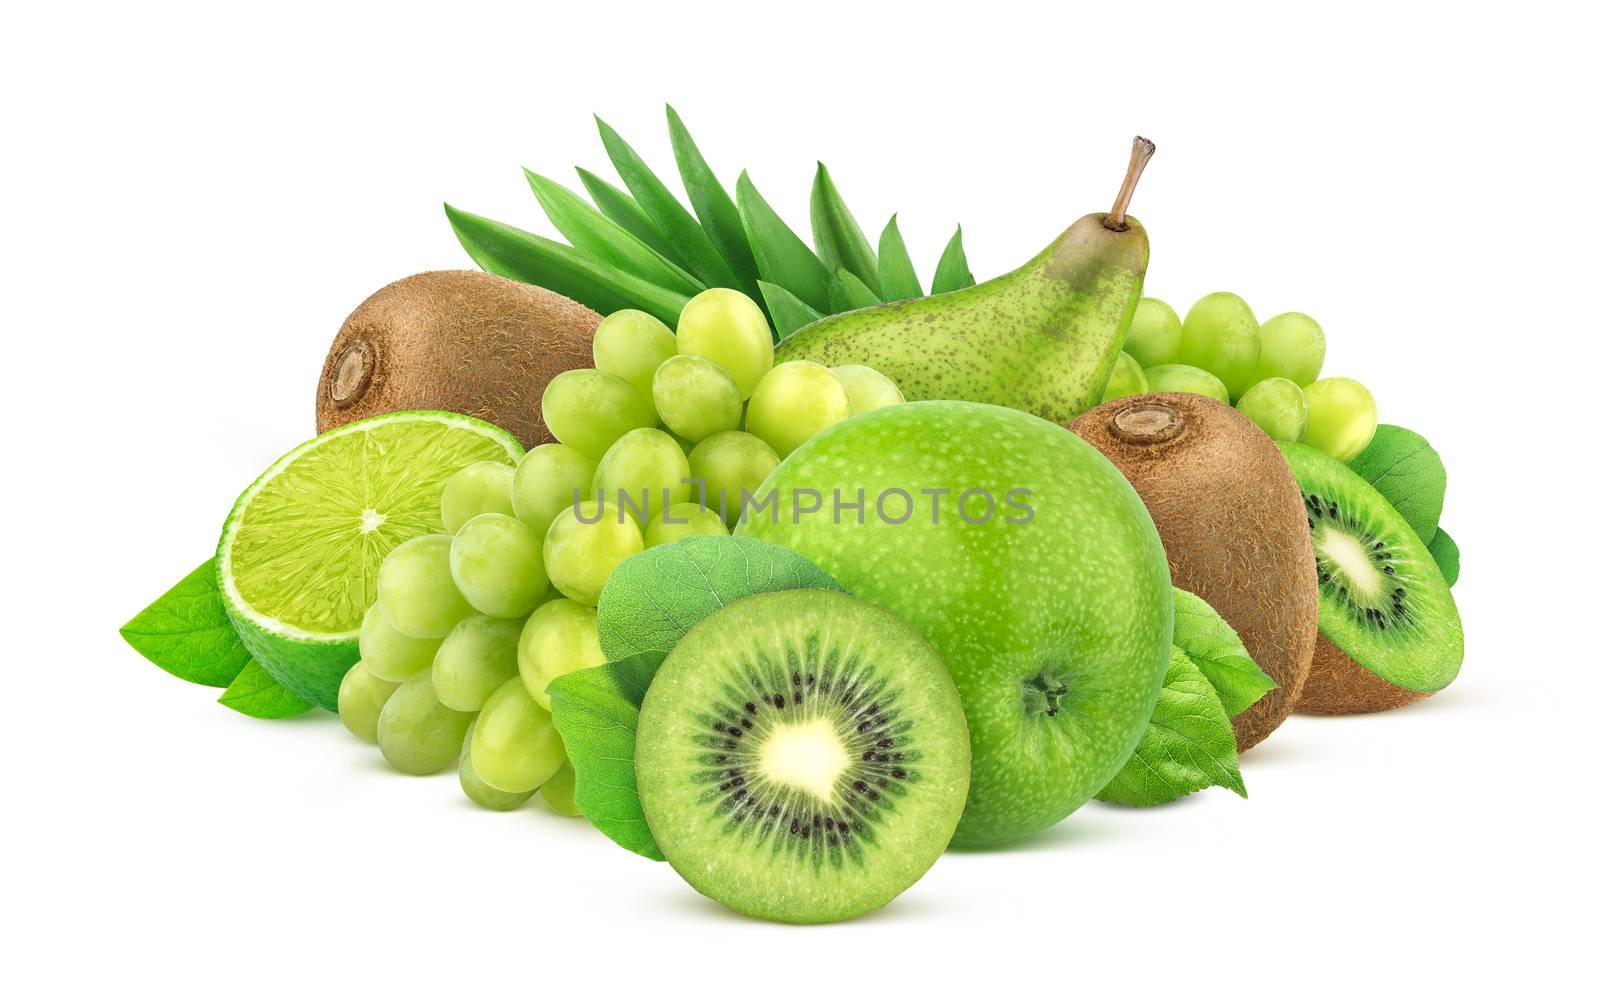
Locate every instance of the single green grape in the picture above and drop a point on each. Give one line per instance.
(416, 733)
(585, 544)
(1127, 379)
(560, 792)
(631, 344)
(1176, 378)
(550, 479)
(727, 327)
(683, 519)
(696, 397)
(866, 388)
(476, 488)
(497, 561)
(1221, 336)
(361, 699)
(1341, 417)
(1155, 335)
(475, 658)
(419, 597)
(560, 637)
(514, 744)
(389, 654)
(479, 792)
(589, 410)
(1292, 346)
(1278, 406)
(730, 466)
(643, 472)
(795, 401)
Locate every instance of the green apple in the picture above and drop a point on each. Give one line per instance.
(1024, 558)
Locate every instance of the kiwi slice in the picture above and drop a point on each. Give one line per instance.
(802, 756)
(1384, 609)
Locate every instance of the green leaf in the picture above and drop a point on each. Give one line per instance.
(782, 258)
(952, 273)
(838, 237)
(680, 228)
(619, 207)
(515, 254)
(257, 694)
(846, 292)
(187, 631)
(654, 597)
(718, 214)
(1214, 648)
(1188, 747)
(896, 274)
(596, 712)
(595, 235)
(1408, 472)
(789, 312)
(1446, 554)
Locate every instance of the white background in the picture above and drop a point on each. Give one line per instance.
(195, 198)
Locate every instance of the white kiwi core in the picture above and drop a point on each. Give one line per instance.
(807, 755)
(1345, 551)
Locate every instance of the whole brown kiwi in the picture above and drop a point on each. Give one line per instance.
(457, 341)
(1231, 518)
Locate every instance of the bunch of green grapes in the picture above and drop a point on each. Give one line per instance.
(666, 437)
(679, 427)
(450, 651)
(1268, 371)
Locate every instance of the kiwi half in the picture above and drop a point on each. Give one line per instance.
(1228, 512)
(802, 756)
(1390, 633)
(455, 341)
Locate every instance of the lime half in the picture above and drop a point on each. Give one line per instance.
(299, 555)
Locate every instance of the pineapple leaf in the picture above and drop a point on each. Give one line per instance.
(838, 237)
(782, 258)
(619, 207)
(515, 254)
(846, 292)
(952, 273)
(595, 235)
(719, 217)
(675, 222)
(789, 312)
(895, 271)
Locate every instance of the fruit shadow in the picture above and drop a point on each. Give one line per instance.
(1081, 829)
(909, 908)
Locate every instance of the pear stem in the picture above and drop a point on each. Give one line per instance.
(1143, 150)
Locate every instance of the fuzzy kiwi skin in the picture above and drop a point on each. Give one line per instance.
(460, 341)
(1339, 685)
(1231, 518)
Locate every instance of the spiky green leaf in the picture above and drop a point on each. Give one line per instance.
(782, 258)
(952, 273)
(516, 254)
(600, 238)
(718, 214)
(789, 312)
(838, 237)
(675, 222)
(897, 277)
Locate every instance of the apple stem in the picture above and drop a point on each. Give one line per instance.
(1143, 150)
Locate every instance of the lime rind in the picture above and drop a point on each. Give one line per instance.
(305, 572)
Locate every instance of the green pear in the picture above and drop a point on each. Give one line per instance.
(1041, 339)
